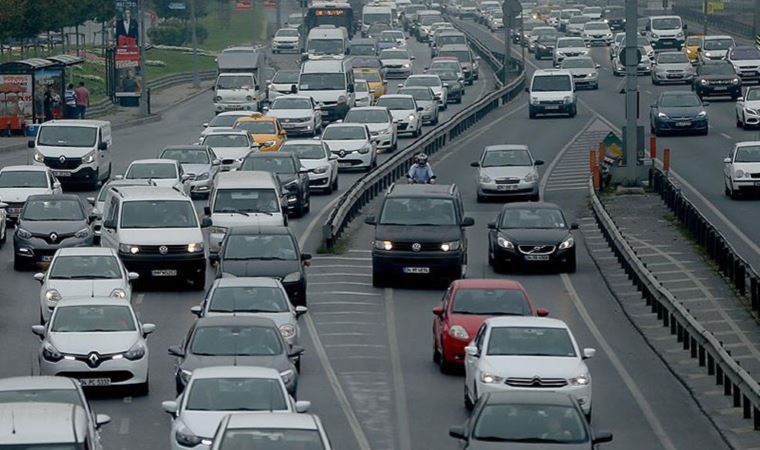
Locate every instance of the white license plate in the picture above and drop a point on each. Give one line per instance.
(683, 124)
(537, 257)
(95, 381)
(551, 107)
(61, 174)
(288, 125)
(506, 187)
(14, 210)
(344, 164)
(164, 273)
(721, 88)
(416, 269)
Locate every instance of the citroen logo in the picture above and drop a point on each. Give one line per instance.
(62, 159)
(163, 249)
(536, 381)
(53, 237)
(416, 246)
(93, 358)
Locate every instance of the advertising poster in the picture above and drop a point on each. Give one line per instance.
(15, 100)
(127, 36)
(51, 79)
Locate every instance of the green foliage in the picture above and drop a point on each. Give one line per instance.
(176, 33)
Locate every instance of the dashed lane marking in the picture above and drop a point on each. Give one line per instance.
(727, 136)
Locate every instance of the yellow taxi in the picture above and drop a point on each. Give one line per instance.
(373, 78)
(692, 45)
(265, 130)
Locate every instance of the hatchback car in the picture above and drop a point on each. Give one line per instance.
(597, 33)
(293, 177)
(717, 79)
(545, 45)
(380, 122)
(17, 183)
(298, 114)
(746, 61)
(454, 84)
(433, 82)
(678, 111)
(163, 172)
(317, 159)
(396, 63)
(286, 40)
(373, 77)
(404, 111)
(672, 67)
(741, 168)
(98, 202)
(568, 46)
(585, 71)
(231, 146)
(507, 171)
(198, 162)
(466, 59)
(66, 426)
(352, 143)
(223, 121)
(282, 431)
(715, 48)
(425, 98)
(748, 108)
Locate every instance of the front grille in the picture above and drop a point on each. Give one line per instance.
(116, 376)
(536, 249)
(537, 382)
(551, 102)
(14, 209)
(297, 120)
(507, 180)
(156, 249)
(402, 126)
(424, 246)
(755, 175)
(720, 82)
(392, 67)
(49, 239)
(67, 164)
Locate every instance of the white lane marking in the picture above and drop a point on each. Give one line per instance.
(399, 388)
(124, 425)
(628, 380)
(547, 173)
(727, 136)
(354, 346)
(342, 303)
(332, 266)
(341, 258)
(352, 283)
(559, 189)
(342, 313)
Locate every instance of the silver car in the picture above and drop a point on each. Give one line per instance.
(507, 171)
(198, 162)
(99, 341)
(567, 47)
(317, 159)
(230, 146)
(48, 425)
(585, 71)
(425, 99)
(17, 183)
(256, 430)
(261, 297)
(214, 392)
(672, 67)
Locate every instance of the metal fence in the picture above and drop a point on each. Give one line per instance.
(740, 17)
(365, 189)
(702, 344)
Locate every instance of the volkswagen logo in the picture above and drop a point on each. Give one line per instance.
(416, 246)
(53, 237)
(62, 159)
(93, 359)
(163, 249)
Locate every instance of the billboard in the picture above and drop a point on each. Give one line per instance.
(127, 56)
(16, 103)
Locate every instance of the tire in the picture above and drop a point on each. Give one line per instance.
(531, 115)
(726, 191)
(739, 123)
(535, 197)
(570, 267)
(108, 174)
(18, 264)
(436, 354)
(444, 366)
(335, 184)
(298, 365)
(458, 100)
(300, 210)
(199, 281)
(480, 198)
(705, 132)
(500, 266)
(573, 112)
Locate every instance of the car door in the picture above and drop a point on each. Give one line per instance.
(104, 154)
(728, 167)
(109, 236)
(471, 362)
(438, 321)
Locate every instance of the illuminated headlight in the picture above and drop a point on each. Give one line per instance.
(655, 36)
(203, 176)
(504, 243)
(453, 245)
(735, 81)
(83, 233)
(195, 247)
(52, 295)
(411, 118)
(662, 115)
(580, 380)
(292, 277)
(217, 230)
(287, 331)
(704, 82)
(88, 158)
(531, 177)
(38, 157)
(739, 174)
(185, 375)
(702, 114)
(23, 234)
(458, 332)
(136, 352)
(119, 293)
(364, 150)
(288, 376)
(126, 248)
(384, 245)
(406, 66)
(490, 378)
(567, 243)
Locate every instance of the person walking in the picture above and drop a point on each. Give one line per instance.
(69, 102)
(82, 100)
(47, 103)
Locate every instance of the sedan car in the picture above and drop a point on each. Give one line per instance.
(215, 392)
(597, 33)
(576, 25)
(568, 46)
(287, 40)
(741, 168)
(163, 172)
(298, 114)
(433, 82)
(373, 77)
(526, 354)
(748, 109)
(223, 121)
(530, 420)
(463, 309)
(672, 67)
(531, 235)
(380, 122)
(47, 223)
(198, 162)
(678, 111)
(396, 63)
(391, 39)
(17, 183)
(352, 143)
(83, 272)
(644, 67)
(283, 431)
(470, 63)
(293, 177)
(453, 83)
(99, 341)
(585, 71)
(746, 61)
(266, 131)
(317, 159)
(507, 171)
(404, 111)
(545, 45)
(425, 99)
(235, 340)
(230, 146)
(692, 47)
(717, 79)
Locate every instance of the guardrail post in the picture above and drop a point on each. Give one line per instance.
(701, 356)
(754, 294)
(756, 418)
(666, 160)
(747, 407)
(711, 365)
(740, 275)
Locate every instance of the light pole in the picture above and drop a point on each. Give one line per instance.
(144, 108)
(507, 39)
(193, 24)
(630, 137)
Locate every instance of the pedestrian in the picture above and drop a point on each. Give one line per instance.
(70, 102)
(82, 100)
(47, 103)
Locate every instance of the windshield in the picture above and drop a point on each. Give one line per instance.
(534, 423)
(322, 82)
(551, 83)
(547, 38)
(363, 49)
(423, 81)
(369, 18)
(597, 26)
(462, 55)
(271, 439)
(579, 63)
(613, 13)
(256, 126)
(21, 395)
(748, 154)
(506, 158)
(287, 32)
(236, 340)
(367, 116)
(753, 94)
(236, 394)
(158, 214)
(285, 77)
(158, 171)
(579, 19)
(61, 446)
(745, 53)
(396, 103)
(389, 36)
(672, 58)
(251, 299)
(23, 179)
(530, 341)
(546, 218)
(490, 302)
(694, 41)
(193, 155)
(445, 65)
(291, 103)
(361, 86)
(92, 318)
(568, 13)
(418, 211)
(60, 136)
(451, 39)
(53, 210)
(344, 133)
(305, 151)
(267, 163)
(570, 43)
(430, 19)
(717, 44)
(725, 68)
(371, 76)
(592, 10)
(670, 23)
(85, 267)
(226, 140)
(246, 200)
(394, 54)
(679, 100)
(418, 93)
(234, 82)
(325, 46)
(260, 246)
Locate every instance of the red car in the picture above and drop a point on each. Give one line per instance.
(465, 306)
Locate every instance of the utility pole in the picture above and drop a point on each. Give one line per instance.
(144, 108)
(704, 18)
(193, 24)
(278, 10)
(507, 39)
(630, 138)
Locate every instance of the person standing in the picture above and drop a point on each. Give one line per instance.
(69, 102)
(47, 103)
(82, 100)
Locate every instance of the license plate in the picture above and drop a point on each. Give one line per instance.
(537, 257)
(61, 174)
(552, 107)
(95, 381)
(325, 113)
(721, 88)
(164, 273)
(288, 125)
(675, 76)
(14, 210)
(416, 269)
(344, 164)
(683, 124)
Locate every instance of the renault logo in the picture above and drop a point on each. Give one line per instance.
(163, 249)
(416, 246)
(93, 359)
(62, 159)
(342, 153)
(53, 237)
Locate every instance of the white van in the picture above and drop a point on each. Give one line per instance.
(552, 91)
(326, 42)
(77, 151)
(328, 82)
(665, 32)
(372, 14)
(243, 198)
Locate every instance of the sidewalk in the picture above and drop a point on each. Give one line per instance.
(125, 117)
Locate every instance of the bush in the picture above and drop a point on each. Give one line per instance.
(167, 34)
(201, 33)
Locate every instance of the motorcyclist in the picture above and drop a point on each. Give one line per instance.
(421, 172)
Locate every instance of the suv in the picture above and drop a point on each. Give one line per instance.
(419, 231)
(156, 232)
(552, 91)
(65, 426)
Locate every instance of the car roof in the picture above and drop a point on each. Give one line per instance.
(548, 72)
(235, 372)
(270, 155)
(85, 251)
(280, 420)
(526, 321)
(77, 123)
(489, 148)
(533, 205)
(93, 301)
(246, 282)
(363, 41)
(186, 147)
(454, 47)
(257, 117)
(487, 283)
(532, 397)
(251, 179)
(136, 193)
(46, 197)
(346, 124)
(369, 108)
(259, 229)
(20, 423)
(228, 130)
(421, 190)
(153, 161)
(748, 143)
(234, 320)
(296, 96)
(36, 383)
(241, 113)
(28, 168)
(396, 96)
(716, 36)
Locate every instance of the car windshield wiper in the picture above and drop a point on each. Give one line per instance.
(246, 310)
(530, 440)
(84, 277)
(233, 211)
(492, 438)
(256, 211)
(272, 258)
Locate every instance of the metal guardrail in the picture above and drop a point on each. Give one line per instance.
(721, 21)
(369, 186)
(701, 343)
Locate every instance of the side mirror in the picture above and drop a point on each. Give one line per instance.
(3, 205)
(445, 85)
(148, 328)
(457, 432)
(420, 109)
(589, 353)
(705, 103)
(91, 200)
(118, 177)
(39, 276)
(542, 312)
(573, 226)
(175, 350)
(305, 256)
(57, 185)
(103, 146)
(196, 310)
(491, 225)
(110, 224)
(265, 108)
(295, 350)
(301, 310)
(527, 89)
(170, 407)
(468, 222)
(726, 160)
(474, 164)
(30, 143)
(302, 406)
(471, 350)
(207, 210)
(601, 437)
(538, 162)
(184, 177)
(740, 99)
(370, 220)
(598, 66)
(102, 419)
(39, 330)
(205, 124)
(438, 311)
(400, 85)
(216, 162)
(206, 222)
(332, 157)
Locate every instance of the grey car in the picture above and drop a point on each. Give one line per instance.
(199, 163)
(235, 340)
(425, 99)
(49, 425)
(672, 67)
(585, 71)
(507, 171)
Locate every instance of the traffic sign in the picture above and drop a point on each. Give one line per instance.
(613, 145)
(714, 6)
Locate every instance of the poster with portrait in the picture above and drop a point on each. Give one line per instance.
(48, 80)
(127, 37)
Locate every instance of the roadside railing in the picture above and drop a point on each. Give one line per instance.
(702, 344)
(369, 186)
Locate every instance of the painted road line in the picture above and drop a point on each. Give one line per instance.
(399, 387)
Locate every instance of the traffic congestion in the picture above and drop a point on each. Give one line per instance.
(176, 271)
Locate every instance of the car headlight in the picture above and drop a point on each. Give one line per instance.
(584, 52)
(704, 82)
(739, 174)
(662, 115)
(458, 332)
(52, 295)
(655, 36)
(384, 245)
(490, 378)
(406, 66)
(288, 376)
(185, 375)
(365, 149)
(735, 81)
(292, 277)
(452, 245)
(291, 185)
(268, 144)
(38, 157)
(131, 249)
(321, 169)
(186, 438)
(203, 176)
(534, 100)
(287, 330)
(88, 158)
(504, 243)
(581, 380)
(532, 176)
(136, 352)
(568, 99)
(680, 35)
(118, 293)
(50, 353)
(23, 234)
(485, 178)
(567, 243)
(411, 118)
(195, 247)
(702, 114)
(83, 233)
(217, 230)
(750, 111)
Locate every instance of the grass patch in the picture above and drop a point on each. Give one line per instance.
(244, 28)
(338, 248)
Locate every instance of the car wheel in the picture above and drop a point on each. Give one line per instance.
(335, 184)
(436, 354)
(573, 111)
(705, 132)
(739, 123)
(459, 99)
(531, 115)
(18, 264)
(744, 122)
(443, 365)
(655, 82)
(535, 197)
(499, 266)
(726, 190)
(298, 365)
(3, 232)
(570, 266)
(199, 281)
(480, 198)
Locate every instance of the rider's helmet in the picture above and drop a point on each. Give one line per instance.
(421, 159)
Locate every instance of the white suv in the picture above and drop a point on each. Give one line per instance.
(156, 233)
(552, 91)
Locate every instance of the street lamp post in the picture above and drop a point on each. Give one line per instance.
(144, 108)
(193, 25)
(630, 137)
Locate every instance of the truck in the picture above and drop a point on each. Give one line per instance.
(238, 84)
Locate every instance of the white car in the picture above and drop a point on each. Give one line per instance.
(526, 353)
(746, 61)
(741, 168)
(585, 71)
(362, 94)
(569, 46)
(298, 114)
(282, 84)
(215, 392)
(83, 272)
(98, 202)
(425, 99)
(163, 172)
(592, 12)
(17, 183)
(286, 40)
(317, 159)
(576, 25)
(259, 431)
(748, 108)
(223, 121)
(715, 47)
(597, 33)
(433, 82)
(396, 63)
(353, 145)
(380, 122)
(405, 112)
(100, 341)
(230, 146)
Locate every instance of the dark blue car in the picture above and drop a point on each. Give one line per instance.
(678, 111)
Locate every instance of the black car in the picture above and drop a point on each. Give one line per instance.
(615, 17)
(419, 232)
(294, 178)
(235, 341)
(47, 223)
(264, 251)
(528, 420)
(529, 234)
(678, 111)
(452, 82)
(545, 46)
(717, 78)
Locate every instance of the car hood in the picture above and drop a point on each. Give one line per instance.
(52, 226)
(19, 195)
(395, 62)
(196, 169)
(84, 343)
(581, 70)
(676, 66)
(314, 163)
(401, 114)
(427, 104)
(260, 268)
(691, 111)
(485, 445)
(535, 236)
(470, 322)
(286, 39)
(85, 288)
(571, 50)
(277, 318)
(166, 182)
(752, 104)
(232, 219)
(69, 152)
(405, 233)
(508, 172)
(716, 53)
(204, 423)
(378, 126)
(166, 236)
(231, 152)
(530, 366)
(751, 167)
(277, 362)
(261, 138)
(746, 62)
(290, 113)
(286, 178)
(282, 87)
(717, 77)
(325, 96)
(341, 144)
